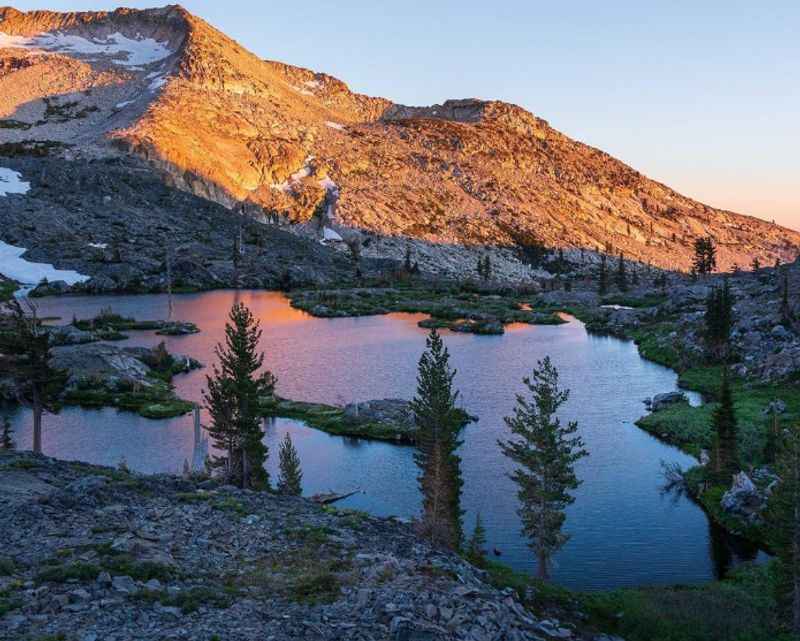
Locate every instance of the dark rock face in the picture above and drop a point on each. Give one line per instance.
(115, 221)
(98, 553)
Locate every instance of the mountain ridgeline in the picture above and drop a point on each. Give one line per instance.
(298, 148)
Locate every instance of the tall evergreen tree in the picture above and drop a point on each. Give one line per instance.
(487, 267)
(755, 264)
(787, 315)
(25, 353)
(622, 274)
(6, 438)
(439, 425)
(545, 452)
(602, 276)
(476, 553)
(718, 320)
(724, 457)
(783, 517)
(705, 255)
(232, 400)
(290, 479)
(407, 265)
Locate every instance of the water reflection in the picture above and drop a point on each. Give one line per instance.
(624, 532)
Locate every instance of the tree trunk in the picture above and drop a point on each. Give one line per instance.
(543, 570)
(245, 472)
(37, 423)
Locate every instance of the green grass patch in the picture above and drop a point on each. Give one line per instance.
(8, 567)
(231, 505)
(189, 600)
(7, 289)
(10, 599)
(316, 587)
(193, 497)
(123, 565)
(624, 300)
(81, 572)
(155, 401)
(691, 429)
(738, 608)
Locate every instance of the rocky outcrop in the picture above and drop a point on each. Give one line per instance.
(220, 122)
(106, 364)
(747, 499)
(672, 320)
(662, 401)
(97, 553)
(389, 411)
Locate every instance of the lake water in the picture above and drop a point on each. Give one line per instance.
(624, 531)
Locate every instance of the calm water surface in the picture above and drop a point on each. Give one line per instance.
(624, 531)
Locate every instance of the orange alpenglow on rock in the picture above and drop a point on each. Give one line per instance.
(226, 125)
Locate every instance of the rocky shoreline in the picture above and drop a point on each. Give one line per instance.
(96, 553)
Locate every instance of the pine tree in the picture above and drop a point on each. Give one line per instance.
(487, 267)
(622, 274)
(783, 517)
(705, 255)
(718, 320)
(438, 426)
(290, 479)
(476, 553)
(724, 457)
(232, 400)
(6, 439)
(480, 267)
(25, 354)
(787, 316)
(409, 268)
(602, 276)
(545, 452)
(756, 264)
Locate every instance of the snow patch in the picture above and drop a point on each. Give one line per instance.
(330, 235)
(98, 245)
(13, 266)
(11, 182)
(334, 125)
(141, 51)
(314, 84)
(124, 103)
(159, 82)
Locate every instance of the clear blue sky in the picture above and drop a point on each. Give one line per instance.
(704, 96)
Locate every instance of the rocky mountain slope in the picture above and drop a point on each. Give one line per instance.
(94, 553)
(228, 126)
(116, 222)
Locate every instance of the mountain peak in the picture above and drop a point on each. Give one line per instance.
(223, 123)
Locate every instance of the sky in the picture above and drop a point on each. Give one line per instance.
(703, 96)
